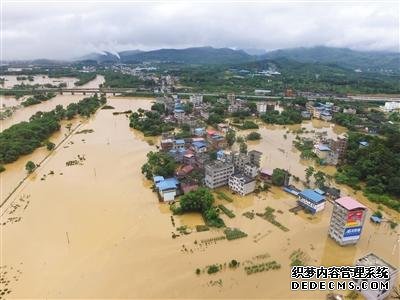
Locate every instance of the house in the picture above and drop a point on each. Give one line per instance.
(331, 193)
(216, 141)
(385, 285)
(223, 127)
(188, 187)
(183, 171)
(326, 116)
(179, 114)
(255, 157)
(240, 160)
(261, 107)
(217, 174)
(199, 147)
(167, 144)
(349, 111)
(305, 115)
(266, 175)
(241, 184)
(250, 170)
(200, 131)
(189, 158)
(322, 150)
(179, 144)
(196, 99)
(311, 200)
(167, 189)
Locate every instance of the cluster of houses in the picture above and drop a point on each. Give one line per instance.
(330, 151)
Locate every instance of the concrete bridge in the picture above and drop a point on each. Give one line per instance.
(73, 91)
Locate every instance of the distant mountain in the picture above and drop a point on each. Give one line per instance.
(100, 57)
(196, 55)
(255, 51)
(363, 60)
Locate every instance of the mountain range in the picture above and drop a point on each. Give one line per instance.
(342, 57)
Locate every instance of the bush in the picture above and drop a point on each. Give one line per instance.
(212, 269)
(253, 136)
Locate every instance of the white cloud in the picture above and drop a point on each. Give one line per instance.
(62, 30)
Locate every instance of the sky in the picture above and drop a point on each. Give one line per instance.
(69, 29)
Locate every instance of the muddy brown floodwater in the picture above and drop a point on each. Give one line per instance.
(98, 231)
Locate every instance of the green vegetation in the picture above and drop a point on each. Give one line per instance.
(234, 233)
(249, 215)
(149, 122)
(298, 258)
(230, 137)
(212, 269)
(249, 125)
(160, 164)
(233, 264)
(24, 137)
(159, 107)
(305, 146)
(278, 177)
(2, 168)
(84, 78)
(200, 200)
(222, 195)
(309, 172)
(243, 147)
(272, 265)
(253, 136)
(50, 146)
(286, 117)
(270, 217)
(30, 166)
(226, 211)
(200, 228)
(39, 98)
(377, 165)
(119, 80)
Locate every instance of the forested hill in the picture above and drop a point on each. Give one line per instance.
(347, 58)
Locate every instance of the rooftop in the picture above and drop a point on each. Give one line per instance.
(349, 203)
(243, 177)
(312, 195)
(374, 260)
(199, 144)
(179, 141)
(167, 184)
(322, 147)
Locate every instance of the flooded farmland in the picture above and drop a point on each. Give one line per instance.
(96, 229)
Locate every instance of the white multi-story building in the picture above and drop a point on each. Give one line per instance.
(251, 170)
(196, 99)
(347, 220)
(390, 106)
(241, 184)
(385, 286)
(217, 174)
(261, 107)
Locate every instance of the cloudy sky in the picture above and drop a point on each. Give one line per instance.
(69, 29)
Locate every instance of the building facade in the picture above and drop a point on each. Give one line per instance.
(241, 184)
(311, 200)
(347, 221)
(217, 174)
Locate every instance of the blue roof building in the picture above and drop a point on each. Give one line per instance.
(311, 200)
(157, 179)
(199, 146)
(167, 188)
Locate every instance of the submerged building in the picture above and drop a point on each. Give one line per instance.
(384, 286)
(347, 220)
(217, 174)
(242, 184)
(311, 200)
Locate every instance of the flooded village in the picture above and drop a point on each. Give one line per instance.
(90, 222)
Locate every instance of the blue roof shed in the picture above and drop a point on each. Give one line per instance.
(312, 196)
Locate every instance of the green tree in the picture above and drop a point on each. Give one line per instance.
(309, 172)
(30, 166)
(230, 137)
(319, 179)
(243, 148)
(253, 136)
(158, 163)
(50, 146)
(278, 177)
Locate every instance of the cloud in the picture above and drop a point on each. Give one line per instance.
(61, 30)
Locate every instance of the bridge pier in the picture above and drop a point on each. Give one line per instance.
(72, 93)
(84, 93)
(113, 94)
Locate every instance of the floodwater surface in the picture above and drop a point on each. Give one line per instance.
(96, 229)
